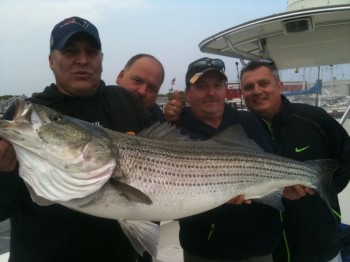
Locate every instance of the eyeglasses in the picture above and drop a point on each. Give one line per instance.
(258, 63)
(206, 63)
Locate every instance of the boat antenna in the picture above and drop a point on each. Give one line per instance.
(317, 88)
(239, 85)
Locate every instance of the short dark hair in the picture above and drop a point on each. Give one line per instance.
(133, 59)
(252, 65)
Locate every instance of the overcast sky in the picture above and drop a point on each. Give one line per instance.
(169, 30)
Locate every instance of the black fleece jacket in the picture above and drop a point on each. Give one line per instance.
(305, 132)
(230, 232)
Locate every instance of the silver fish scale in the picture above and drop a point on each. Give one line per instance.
(179, 165)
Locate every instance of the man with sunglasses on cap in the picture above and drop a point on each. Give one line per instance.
(303, 132)
(56, 233)
(229, 232)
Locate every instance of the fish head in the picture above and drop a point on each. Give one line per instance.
(73, 153)
(54, 136)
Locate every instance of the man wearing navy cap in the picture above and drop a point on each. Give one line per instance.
(229, 232)
(77, 67)
(63, 31)
(55, 233)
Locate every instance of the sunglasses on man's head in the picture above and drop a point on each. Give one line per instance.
(258, 63)
(201, 65)
(265, 62)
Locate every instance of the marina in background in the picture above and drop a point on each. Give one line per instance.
(316, 34)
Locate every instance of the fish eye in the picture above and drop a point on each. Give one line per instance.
(55, 117)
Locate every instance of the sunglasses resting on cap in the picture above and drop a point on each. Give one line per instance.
(197, 68)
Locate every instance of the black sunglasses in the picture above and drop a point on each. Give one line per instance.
(207, 63)
(265, 62)
(258, 63)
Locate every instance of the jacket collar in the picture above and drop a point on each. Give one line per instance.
(282, 115)
(193, 123)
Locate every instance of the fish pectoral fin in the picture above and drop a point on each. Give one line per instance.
(143, 235)
(130, 193)
(273, 199)
(38, 199)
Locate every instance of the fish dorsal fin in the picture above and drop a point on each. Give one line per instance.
(165, 131)
(236, 136)
(130, 193)
(143, 235)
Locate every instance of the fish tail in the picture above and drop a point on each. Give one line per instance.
(325, 171)
(143, 235)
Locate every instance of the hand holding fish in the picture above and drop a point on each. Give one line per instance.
(8, 158)
(238, 200)
(172, 111)
(296, 192)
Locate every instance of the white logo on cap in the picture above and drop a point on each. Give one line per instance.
(84, 23)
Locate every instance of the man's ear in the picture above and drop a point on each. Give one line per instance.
(51, 62)
(187, 96)
(280, 87)
(120, 76)
(102, 60)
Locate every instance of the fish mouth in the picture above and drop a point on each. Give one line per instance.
(23, 111)
(22, 108)
(19, 107)
(13, 130)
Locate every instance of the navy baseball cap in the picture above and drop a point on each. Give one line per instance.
(65, 29)
(199, 67)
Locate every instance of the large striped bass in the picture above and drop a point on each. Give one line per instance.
(154, 176)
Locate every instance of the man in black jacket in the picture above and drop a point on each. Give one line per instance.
(143, 75)
(229, 232)
(56, 233)
(303, 132)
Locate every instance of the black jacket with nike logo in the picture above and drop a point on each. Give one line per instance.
(306, 132)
